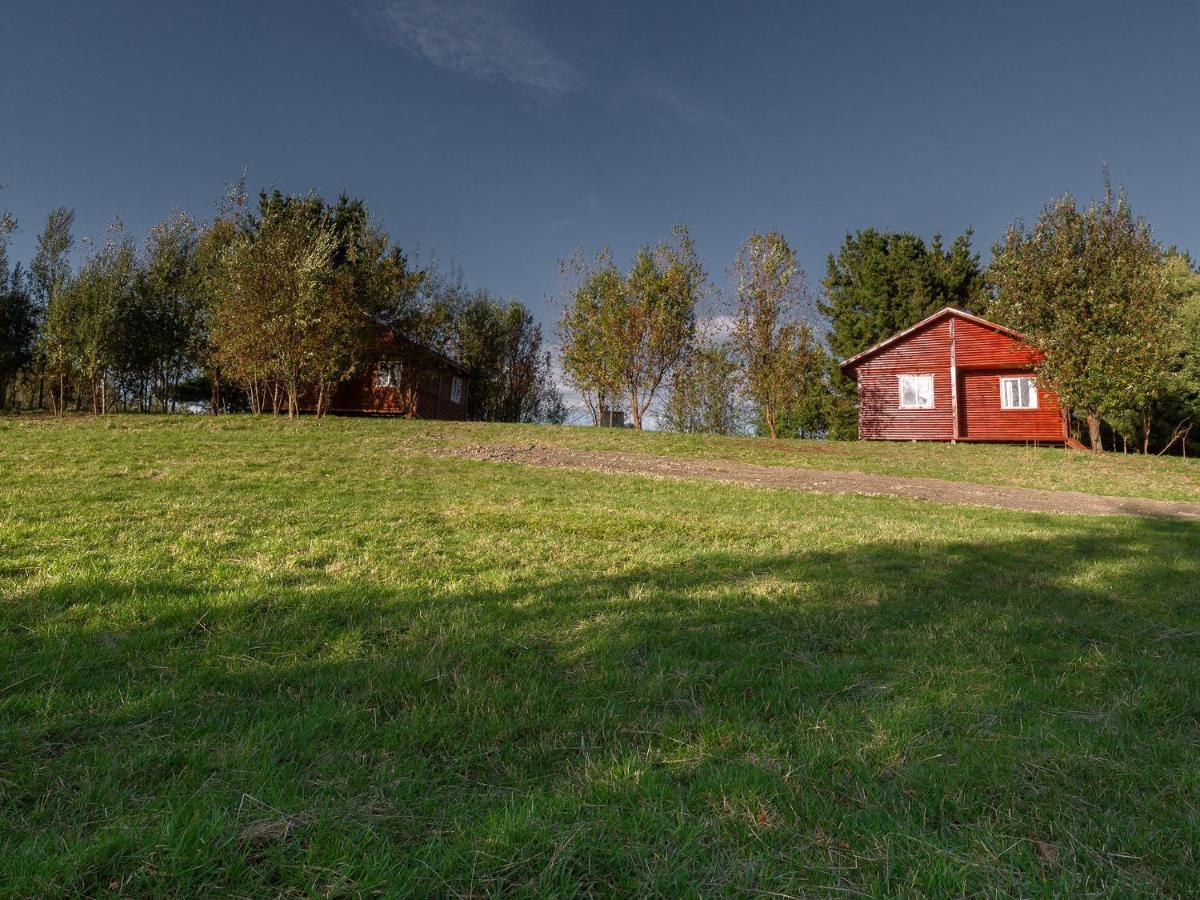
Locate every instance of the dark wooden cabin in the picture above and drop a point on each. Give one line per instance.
(954, 377)
(406, 379)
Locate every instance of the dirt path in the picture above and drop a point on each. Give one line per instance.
(801, 479)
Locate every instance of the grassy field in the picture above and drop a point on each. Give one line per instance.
(239, 657)
(1117, 474)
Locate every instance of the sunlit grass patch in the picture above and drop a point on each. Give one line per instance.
(319, 660)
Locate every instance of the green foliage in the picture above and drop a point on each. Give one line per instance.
(705, 395)
(18, 314)
(88, 321)
(778, 351)
(810, 409)
(1179, 405)
(298, 294)
(165, 331)
(50, 275)
(50, 271)
(498, 339)
(881, 282)
(502, 344)
(624, 333)
(1087, 288)
(274, 313)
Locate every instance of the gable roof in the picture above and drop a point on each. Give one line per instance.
(944, 313)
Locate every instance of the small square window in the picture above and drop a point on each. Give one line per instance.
(916, 391)
(387, 374)
(456, 390)
(1018, 393)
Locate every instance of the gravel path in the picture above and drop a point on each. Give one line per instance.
(816, 480)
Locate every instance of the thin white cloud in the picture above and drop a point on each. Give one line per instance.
(476, 38)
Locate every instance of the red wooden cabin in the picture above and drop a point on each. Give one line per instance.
(954, 377)
(406, 379)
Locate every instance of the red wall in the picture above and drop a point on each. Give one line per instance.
(981, 355)
(428, 398)
(983, 419)
(924, 352)
(978, 347)
(424, 395)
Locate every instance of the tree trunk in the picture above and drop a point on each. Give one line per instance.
(1146, 432)
(215, 393)
(634, 411)
(1094, 439)
(769, 414)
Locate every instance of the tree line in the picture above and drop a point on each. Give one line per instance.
(282, 296)
(247, 312)
(765, 358)
(1116, 315)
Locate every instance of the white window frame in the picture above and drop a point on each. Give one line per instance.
(1033, 391)
(387, 373)
(900, 380)
(456, 389)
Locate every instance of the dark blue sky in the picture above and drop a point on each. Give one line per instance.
(505, 134)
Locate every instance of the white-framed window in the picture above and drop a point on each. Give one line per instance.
(387, 374)
(916, 391)
(456, 386)
(1018, 393)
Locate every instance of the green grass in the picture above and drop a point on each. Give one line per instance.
(1116, 474)
(244, 658)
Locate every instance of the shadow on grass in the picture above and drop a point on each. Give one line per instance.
(882, 718)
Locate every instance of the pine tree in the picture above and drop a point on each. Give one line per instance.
(882, 282)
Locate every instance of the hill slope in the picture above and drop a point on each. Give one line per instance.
(239, 656)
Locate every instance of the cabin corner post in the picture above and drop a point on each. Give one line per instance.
(953, 386)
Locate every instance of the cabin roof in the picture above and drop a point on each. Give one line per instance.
(943, 313)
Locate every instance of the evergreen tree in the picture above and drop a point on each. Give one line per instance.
(881, 282)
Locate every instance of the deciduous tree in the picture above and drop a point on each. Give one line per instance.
(50, 274)
(705, 395)
(1087, 288)
(624, 333)
(771, 338)
(91, 315)
(269, 316)
(18, 315)
(502, 344)
(161, 325)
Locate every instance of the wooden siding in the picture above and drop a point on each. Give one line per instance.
(426, 385)
(977, 347)
(966, 359)
(425, 395)
(984, 419)
(924, 352)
